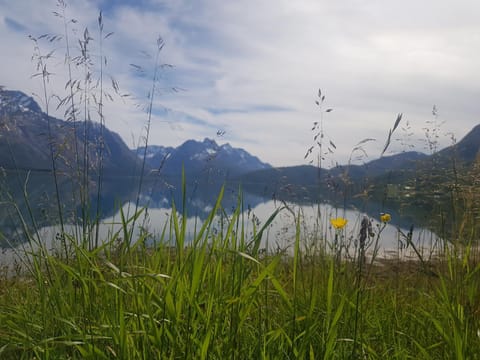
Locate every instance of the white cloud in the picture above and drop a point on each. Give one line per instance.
(373, 59)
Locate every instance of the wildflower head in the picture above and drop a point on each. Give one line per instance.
(338, 223)
(385, 217)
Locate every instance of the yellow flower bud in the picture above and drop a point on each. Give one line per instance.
(385, 218)
(338, 223)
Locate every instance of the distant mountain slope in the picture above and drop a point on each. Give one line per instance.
(205, 158)
(305, 179)
(377, 167)
(466, 150)
(155, 154)
(25, 142)
(403, 169)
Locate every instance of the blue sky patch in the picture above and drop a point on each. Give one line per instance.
(14, 25)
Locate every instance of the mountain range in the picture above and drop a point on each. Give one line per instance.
(28, 136)
(388, 176)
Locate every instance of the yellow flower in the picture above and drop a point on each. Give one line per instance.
(385, 217)
(338, 223)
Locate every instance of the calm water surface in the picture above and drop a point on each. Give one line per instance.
(279, 235)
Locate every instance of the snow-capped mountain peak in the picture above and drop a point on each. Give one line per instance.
(17, 101)
(204, 157)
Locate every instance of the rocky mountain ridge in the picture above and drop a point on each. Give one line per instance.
(29, 136)
(202, 157)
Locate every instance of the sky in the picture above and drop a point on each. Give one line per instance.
(248, 72)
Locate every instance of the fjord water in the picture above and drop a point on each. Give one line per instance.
(314, 222)
(33, 196)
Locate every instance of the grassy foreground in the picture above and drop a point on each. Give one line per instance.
(221, 297)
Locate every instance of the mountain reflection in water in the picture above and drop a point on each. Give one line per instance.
(39, 210)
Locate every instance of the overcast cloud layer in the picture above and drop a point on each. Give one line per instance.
(248, 72)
